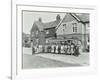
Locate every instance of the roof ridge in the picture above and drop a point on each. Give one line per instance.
(75, 16)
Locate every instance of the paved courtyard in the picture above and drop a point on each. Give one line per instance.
(49, 60)
(82, 59)
(36, 61)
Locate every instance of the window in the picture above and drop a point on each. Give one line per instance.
(74, 27)
(64, 25)
(47, 32)
(32, 34)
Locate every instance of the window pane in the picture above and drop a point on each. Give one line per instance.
(64, 24)
(74, 27)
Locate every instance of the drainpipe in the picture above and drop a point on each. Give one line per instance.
(84, 42)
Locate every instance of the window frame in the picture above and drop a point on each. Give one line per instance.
(74, 25)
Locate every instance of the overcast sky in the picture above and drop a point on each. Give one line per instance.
(30, 17)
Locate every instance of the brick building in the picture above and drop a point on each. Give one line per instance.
(42, 32)
(75, 26)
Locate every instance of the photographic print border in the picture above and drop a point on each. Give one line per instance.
(22, 29)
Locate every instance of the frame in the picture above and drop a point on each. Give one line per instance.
(17, 57)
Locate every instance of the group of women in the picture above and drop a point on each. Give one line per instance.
(68, 49)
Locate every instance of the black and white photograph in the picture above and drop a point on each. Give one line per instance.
(55, 39)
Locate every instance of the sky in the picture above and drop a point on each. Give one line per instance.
(30, 16)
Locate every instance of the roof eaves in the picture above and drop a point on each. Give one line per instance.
(78, 18)
(75, 16)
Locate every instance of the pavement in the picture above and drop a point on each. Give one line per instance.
(49, 60)
(32, 61)
(82, 59)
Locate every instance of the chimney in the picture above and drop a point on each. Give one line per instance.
(58, 17)
(40, 20)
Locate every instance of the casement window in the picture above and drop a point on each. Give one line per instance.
(74, 27)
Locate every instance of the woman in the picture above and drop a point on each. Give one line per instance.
(65, 49)
(68, 50)
(45, 48)
(52, 48)
(40, 48)
(59, 49)
(36, 49)
(72, 49)
(33, 50)
(62, 49)
(79, 46)
(56, 49)
(76, 53)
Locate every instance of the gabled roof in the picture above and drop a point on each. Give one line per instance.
(25, 35)
(51, 24)
(41, 26)
(84, 17)
(38, 24)
(68, 17)
(81, 17)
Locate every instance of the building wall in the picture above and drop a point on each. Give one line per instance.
(41, 38)
(81, 34)
(50, 33)
(35, 31)
(37, 37)
(68, 29)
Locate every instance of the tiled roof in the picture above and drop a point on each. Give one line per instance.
(83, 17)
(51, 24)
(68, 18)
(41, 26)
